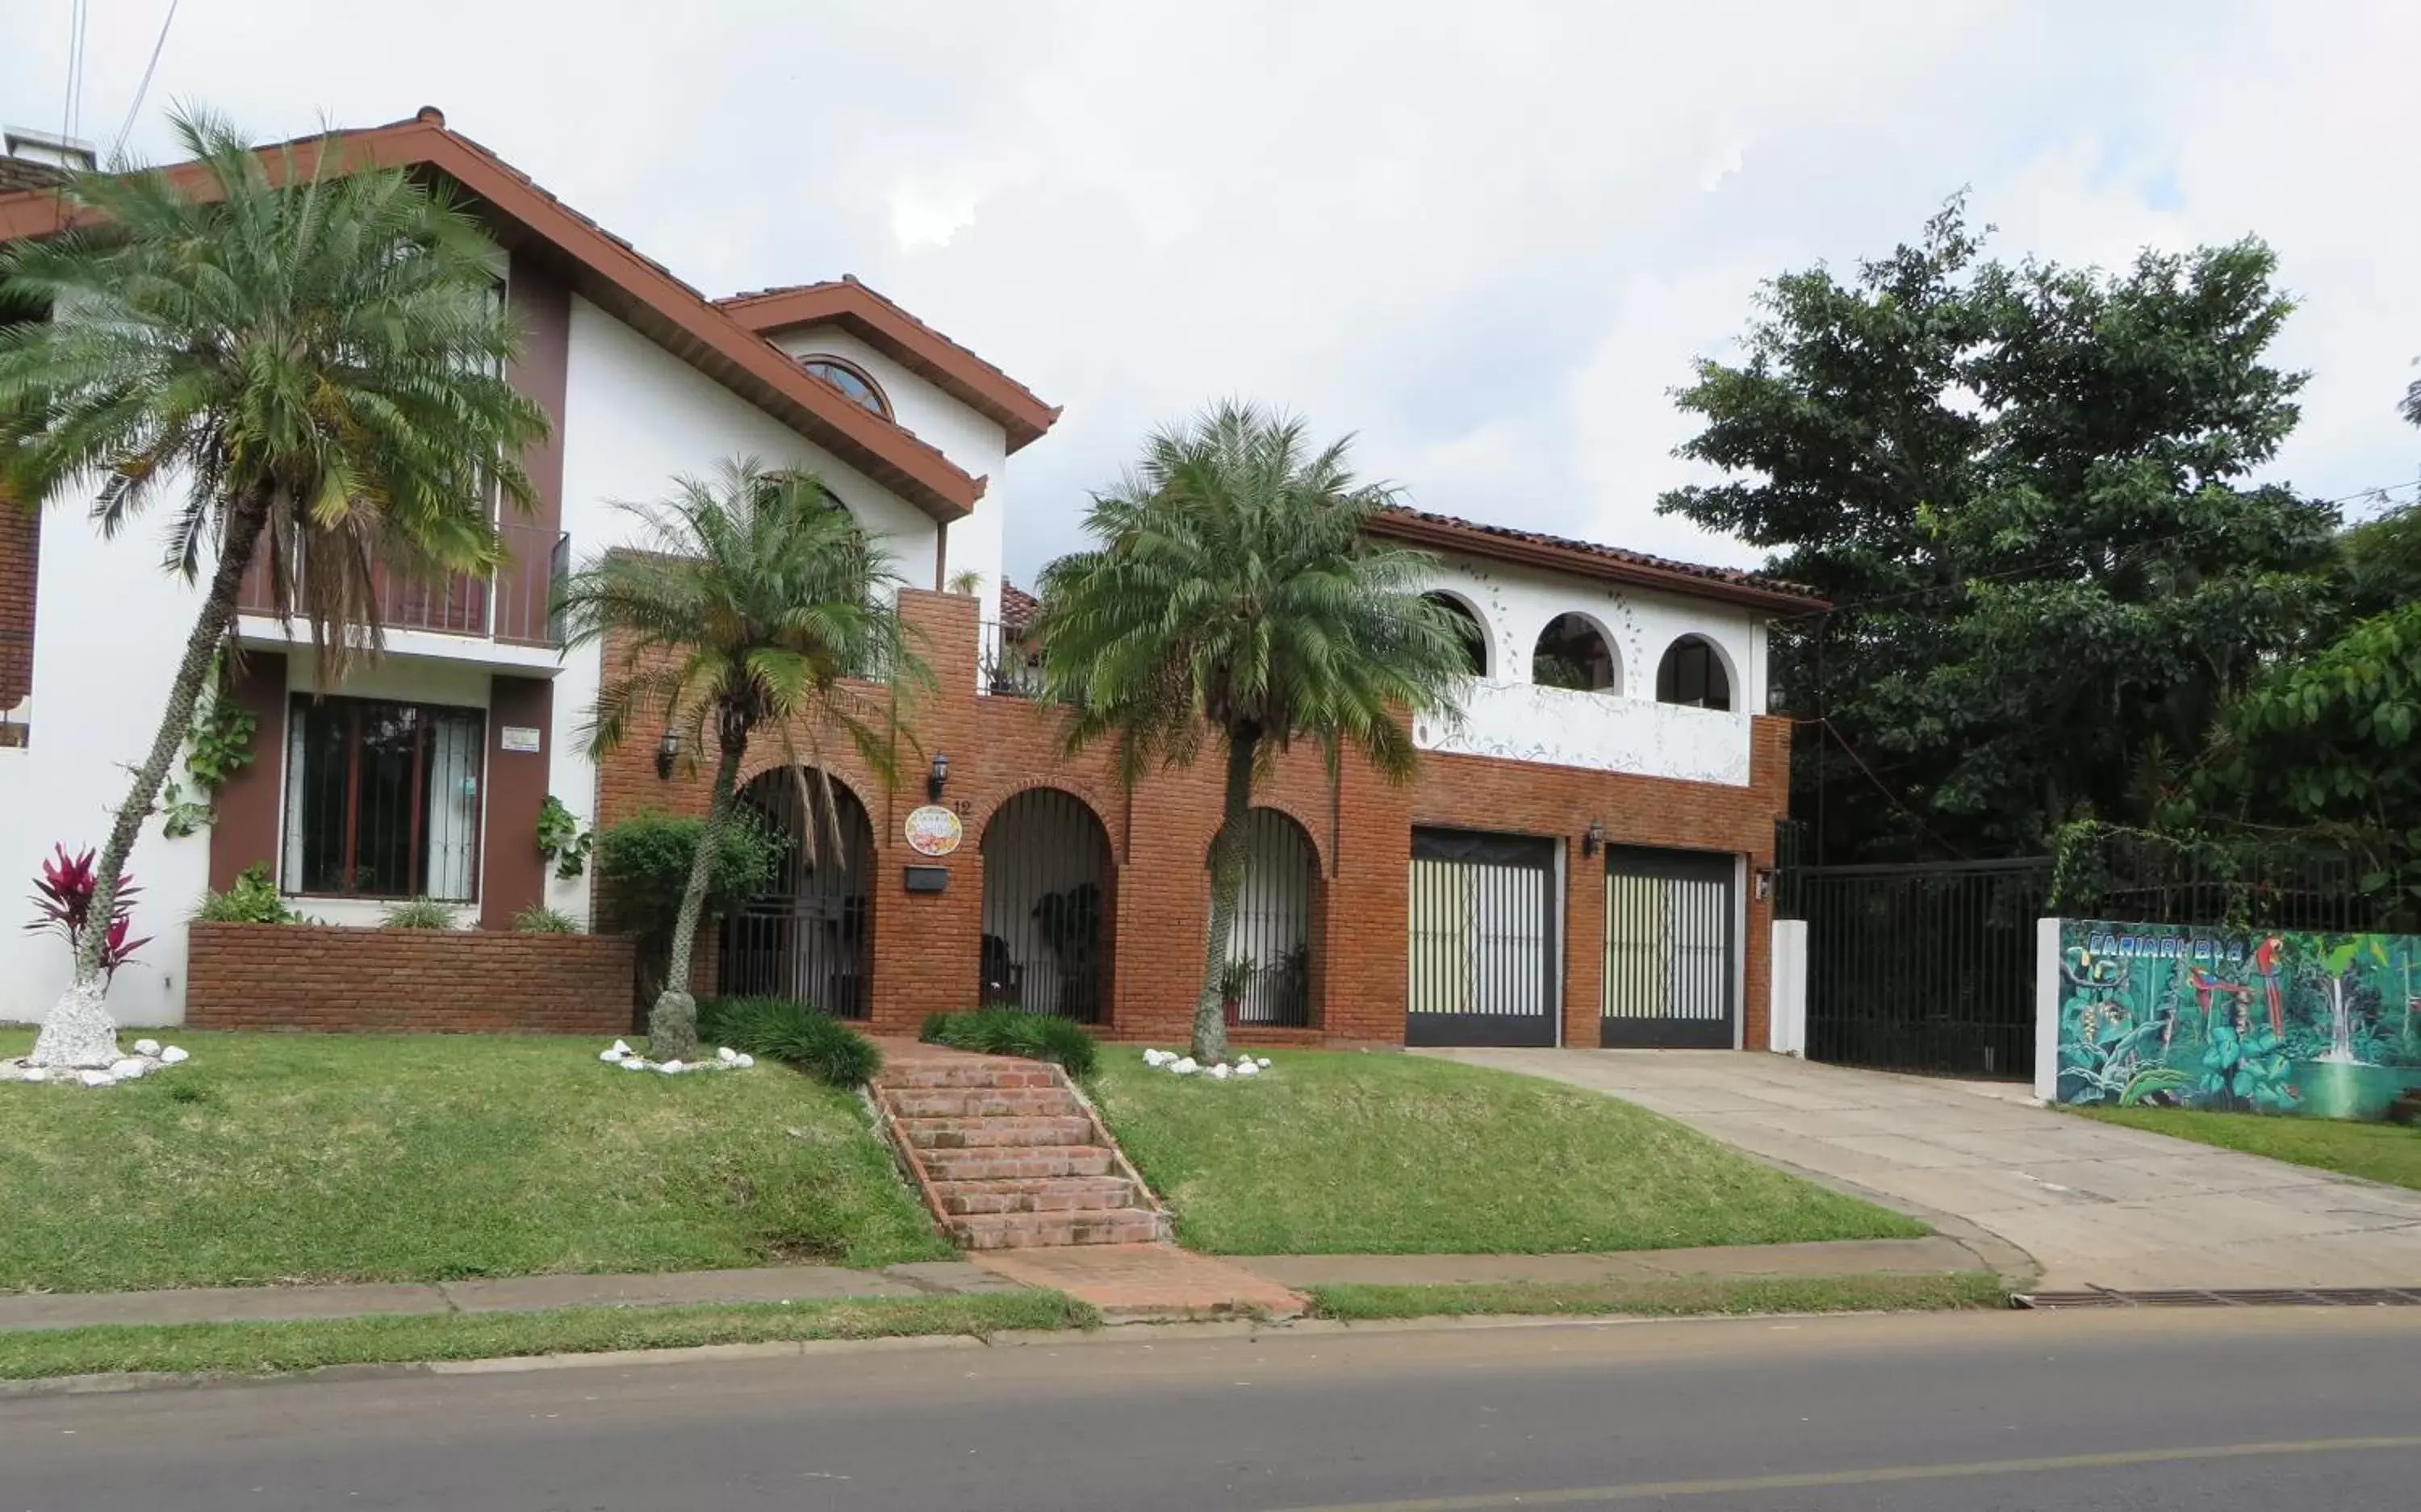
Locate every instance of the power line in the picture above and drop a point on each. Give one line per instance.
(79, 17)
(157, 45)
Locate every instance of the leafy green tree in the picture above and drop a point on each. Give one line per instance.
(2025, 490)
(1232, 600)
(752, 604)
(309, 362)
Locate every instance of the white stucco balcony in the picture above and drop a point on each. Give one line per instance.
(1597, 731)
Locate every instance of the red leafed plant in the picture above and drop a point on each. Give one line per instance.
(63, 901)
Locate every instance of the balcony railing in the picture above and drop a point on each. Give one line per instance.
(1006, 669)
(515, 605)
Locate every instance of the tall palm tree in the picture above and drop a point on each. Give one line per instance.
(1233, 598)
(748, 605)
(310, 362)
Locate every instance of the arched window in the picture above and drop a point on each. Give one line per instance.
(851, 380)
(1475, 634)
(1573, 653)
(1693, 673)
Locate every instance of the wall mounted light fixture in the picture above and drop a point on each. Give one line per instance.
(667, 752)
(1764, 881)
(937, 777)
(1593, 838)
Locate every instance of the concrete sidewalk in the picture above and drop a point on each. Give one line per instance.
(1937, 1255)
(518, 1294)
(2095, 1205)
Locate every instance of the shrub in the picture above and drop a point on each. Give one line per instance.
(790, 1030)
(1008, 1031)
(253, 900)
(63, 902)
(539, 919)
(643, 863)
(417, 913)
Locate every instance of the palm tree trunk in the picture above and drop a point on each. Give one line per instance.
(79, 1031)
(672, 1023)
(1226, 882)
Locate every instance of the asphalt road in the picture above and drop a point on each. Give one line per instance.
(2211, 1410)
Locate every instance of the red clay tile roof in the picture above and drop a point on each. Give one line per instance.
(21, 173)
(610, 271)
(1471, 537)
(888, 327)
(1017, 606)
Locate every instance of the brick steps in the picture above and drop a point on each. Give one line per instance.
(1010, 1157)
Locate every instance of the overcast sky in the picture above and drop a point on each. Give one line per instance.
(1488, 239)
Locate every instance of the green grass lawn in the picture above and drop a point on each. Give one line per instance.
(2378, 1152)
(295, 1158)
(1387, 1154)
(261, 1347)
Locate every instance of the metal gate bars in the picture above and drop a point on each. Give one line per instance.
(1481, 940)
(1046, 869)
(807, 937)
(1669, 981)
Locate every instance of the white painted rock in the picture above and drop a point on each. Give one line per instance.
(95, 1078)
(128, 1070)
(174, 1055)
(1220, 1073)
(12, 1072)
(1184, 1066)
(1248, 1069)
(727, 1055)
(34, 1073)
(744, 1060)
(1263, 1062)
(1156, 1057)
(146, 1047)
(632, 1063)
(611, 1053)
(668, 1067)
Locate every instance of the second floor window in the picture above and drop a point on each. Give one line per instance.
(851, 380)
(383, 800)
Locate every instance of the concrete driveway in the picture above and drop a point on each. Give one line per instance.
(2093, 1205)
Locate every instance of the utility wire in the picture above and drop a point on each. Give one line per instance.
(157, 45)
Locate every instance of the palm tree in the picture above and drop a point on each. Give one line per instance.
(312, 364)
(748, 605)
(1233, 597)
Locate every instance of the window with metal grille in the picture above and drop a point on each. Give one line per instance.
(382, 799)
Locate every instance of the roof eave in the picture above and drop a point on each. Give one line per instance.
(1472, 540)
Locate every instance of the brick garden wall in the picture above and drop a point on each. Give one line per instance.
(926, 945)
(397, 981)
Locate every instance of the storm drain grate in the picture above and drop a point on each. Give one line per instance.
(2251, 1296)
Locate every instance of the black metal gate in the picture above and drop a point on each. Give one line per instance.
(1922, 968)
(1046, 863)
(1482, 940)
(808, 938)
(1270, 944)
(1670, 981)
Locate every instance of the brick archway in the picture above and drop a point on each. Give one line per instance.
(1050, 905)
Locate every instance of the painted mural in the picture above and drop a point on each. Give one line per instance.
(2323, 1025)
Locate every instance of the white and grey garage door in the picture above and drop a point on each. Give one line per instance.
(1483, 966)
(1669, 981)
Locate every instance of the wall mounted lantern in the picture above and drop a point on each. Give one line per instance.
(937, 777)
(1764, 882)
(667, 752)
(1593, 839)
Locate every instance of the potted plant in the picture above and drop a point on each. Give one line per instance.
(1236, 979)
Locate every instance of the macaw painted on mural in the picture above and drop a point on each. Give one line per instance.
(2205, 986)
(2265, 963)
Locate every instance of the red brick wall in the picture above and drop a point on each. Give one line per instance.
(926, 945)
(334, 980)
(21, 551)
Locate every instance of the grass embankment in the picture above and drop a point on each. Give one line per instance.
(1670, 1299)
(255, 1348)
(303, 1157)
(1351, 1153)
(2376, 1152)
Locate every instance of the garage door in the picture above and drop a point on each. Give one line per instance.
(1669, 982)
(1482, 940)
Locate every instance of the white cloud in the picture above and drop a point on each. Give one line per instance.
(1485, 239)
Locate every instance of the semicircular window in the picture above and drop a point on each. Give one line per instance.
(851, 380)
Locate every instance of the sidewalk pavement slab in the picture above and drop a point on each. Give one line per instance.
(215, 1304)
(679, 1288)
(1908, 1257)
